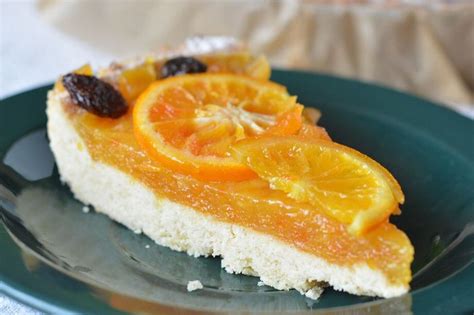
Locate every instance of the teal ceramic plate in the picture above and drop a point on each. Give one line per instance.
(59, 259)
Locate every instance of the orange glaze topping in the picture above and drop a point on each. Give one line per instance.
(249, 203)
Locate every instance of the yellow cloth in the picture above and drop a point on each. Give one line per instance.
(428, 50)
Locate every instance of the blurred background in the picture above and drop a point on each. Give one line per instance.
(425, 47)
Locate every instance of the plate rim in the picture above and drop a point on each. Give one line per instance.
(9, 288)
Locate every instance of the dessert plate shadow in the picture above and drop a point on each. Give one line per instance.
(58, 258)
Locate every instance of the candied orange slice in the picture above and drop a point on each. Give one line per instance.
(132, 82)
(188, 123)
(135, 80)
(244, 63)
(308, 131)
(344, 183)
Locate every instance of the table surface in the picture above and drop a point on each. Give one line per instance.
(32, 53)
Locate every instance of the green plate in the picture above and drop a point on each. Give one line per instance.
(58, 259)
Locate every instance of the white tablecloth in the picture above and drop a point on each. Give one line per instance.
(9, 306)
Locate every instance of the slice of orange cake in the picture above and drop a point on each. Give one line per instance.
(198, 150)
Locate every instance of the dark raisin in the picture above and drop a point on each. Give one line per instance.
(94, 95)
(182, 65)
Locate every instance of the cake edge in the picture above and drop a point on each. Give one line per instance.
(181, 228)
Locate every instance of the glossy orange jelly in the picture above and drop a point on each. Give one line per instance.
(133, 81)
(251, 204)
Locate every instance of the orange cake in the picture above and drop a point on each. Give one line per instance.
(197, 149)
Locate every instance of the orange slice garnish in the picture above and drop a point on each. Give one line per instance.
(340, 181)
(188, 123)
(308, 131)
(134, 81)
(244, 63)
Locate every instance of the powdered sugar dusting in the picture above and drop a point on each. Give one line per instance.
(209, 44)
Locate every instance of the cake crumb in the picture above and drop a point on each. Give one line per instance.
(260, 283)
(147, 246)
(314, 293)
(86, 209)
(194, 285)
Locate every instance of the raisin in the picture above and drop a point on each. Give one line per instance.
(182, 65)
(94, 95)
